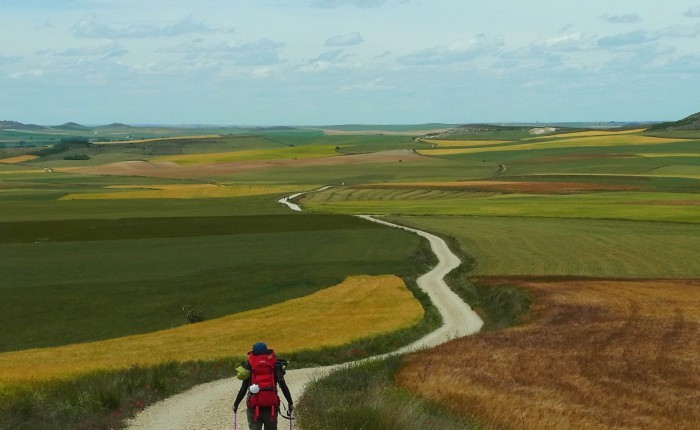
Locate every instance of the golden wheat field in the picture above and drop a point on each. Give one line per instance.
(591, 133)
(359, 307)
(464, 143)
(18, 159)
(562, 141)
(595, 354)
(184, 191)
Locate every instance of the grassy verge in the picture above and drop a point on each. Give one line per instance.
(365, 397)
(104, 400)
(498, 306)
(101, 400)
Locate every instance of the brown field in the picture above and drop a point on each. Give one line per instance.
(509, 186)
(18, 159)
(359, 307)
(185, 191)
(594, 354)
(169, 169)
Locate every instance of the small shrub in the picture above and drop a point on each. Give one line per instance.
(193, 315)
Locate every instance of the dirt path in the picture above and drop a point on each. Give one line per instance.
(208, 406)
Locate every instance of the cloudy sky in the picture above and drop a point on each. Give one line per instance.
(312, 62)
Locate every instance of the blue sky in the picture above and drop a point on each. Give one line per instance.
(312, 62)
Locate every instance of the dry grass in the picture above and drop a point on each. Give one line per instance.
(618, 139)
(591, 133)
(668, 155)
(464, 143)
(18, 159)
(172, 170)
(184, 191)
(597, 354)
(359, 307)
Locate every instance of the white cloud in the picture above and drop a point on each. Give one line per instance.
(693, 12)
(256, 53)
(106, 50)
(689, 64)
(631, 38)
(325, 61)
(330, 56)
(566, 43)
(629, 18)
(690, 31)
(373, 85)
(364, 4)
(35, 73)
(8, 60)
(351, 39)
(455, 53)
(91, 27)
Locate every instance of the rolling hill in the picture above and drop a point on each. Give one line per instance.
(691, 122)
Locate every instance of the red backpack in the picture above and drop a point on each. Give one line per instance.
(262, 374)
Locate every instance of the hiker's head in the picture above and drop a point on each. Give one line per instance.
(259, 348)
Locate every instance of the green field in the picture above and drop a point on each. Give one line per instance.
(67, 281)
(507, 246)
(677, 207)
(203, 250)
(621, 204)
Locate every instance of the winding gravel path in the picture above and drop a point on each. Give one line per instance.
(208, 406)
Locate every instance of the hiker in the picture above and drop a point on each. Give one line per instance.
(260, 375)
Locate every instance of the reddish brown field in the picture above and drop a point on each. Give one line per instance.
(595, 354)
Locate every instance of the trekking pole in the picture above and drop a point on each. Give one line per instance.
(235, 420)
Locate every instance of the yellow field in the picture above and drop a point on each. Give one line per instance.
(590, 133)
(358, 307)
(464, 143)
(185, 191)
(18, 159)
(617, 139)
(282, 153)
(23, 172)
(668, 155)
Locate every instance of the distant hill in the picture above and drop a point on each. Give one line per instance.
(691, 122)
(14, 125)
(116, 125)
(72, 126)
(468, 129)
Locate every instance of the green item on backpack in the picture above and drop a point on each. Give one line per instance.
(242, 373)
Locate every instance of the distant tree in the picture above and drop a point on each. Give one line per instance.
(64, 145)
(77, 157)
